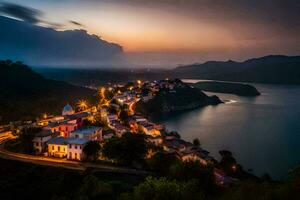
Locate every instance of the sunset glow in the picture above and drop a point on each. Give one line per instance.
(200, 27)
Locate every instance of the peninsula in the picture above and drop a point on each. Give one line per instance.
(240, 89)
(173, 96)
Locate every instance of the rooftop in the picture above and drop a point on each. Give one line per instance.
(58, 140)
(44, 133)
(86, 130)
(65, 141)
(77, 140)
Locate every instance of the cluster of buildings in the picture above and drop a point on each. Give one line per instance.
(156, 133)
(186, 151)
(64, 136)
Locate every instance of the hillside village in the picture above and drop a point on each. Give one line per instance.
(65, 136)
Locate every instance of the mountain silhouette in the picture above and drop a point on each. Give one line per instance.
(268, 69)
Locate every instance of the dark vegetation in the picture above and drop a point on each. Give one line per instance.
(170, 178)
(28, 181)
(26, 95)
(129, 150)
(23, 143)
(92, 150)
(223, 87)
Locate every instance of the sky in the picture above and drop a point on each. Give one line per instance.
(171, 32)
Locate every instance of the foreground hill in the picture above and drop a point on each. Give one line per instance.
(39, 45)
(26, 94)
(268, 69)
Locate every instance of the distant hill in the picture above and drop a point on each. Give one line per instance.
(38, 45)
(239, 89)
(26, 94)
(269, 69)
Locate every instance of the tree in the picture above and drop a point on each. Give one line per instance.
(92, 150)
(26, 137)
(129, 149)
(184, 171)
(228, 162)
(92, 188)
(161, 163)
(196, 142)
(164, 189)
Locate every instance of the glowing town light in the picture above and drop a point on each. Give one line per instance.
(82, 105)
(233, 167)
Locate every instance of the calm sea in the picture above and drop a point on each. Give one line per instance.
(262, 132)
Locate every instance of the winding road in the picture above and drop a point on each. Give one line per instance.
(55, 162)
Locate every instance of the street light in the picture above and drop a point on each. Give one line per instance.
(82, 104)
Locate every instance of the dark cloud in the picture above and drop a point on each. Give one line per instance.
(45, 46)
(21, 12)
(76, 23)
(26, 14)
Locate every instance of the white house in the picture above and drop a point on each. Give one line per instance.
(75, 148)
(40, 140)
